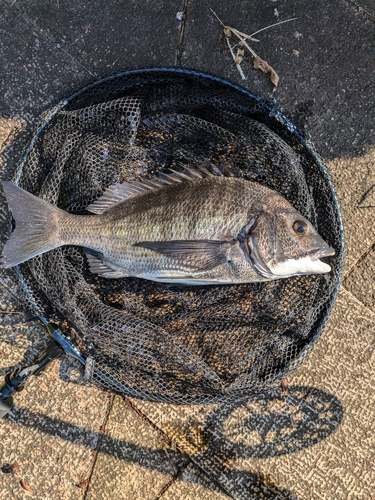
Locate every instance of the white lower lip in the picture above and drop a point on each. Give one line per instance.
(306, 265)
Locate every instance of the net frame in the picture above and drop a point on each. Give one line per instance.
(269, 115)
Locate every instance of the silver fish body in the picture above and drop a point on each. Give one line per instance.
(184, 228)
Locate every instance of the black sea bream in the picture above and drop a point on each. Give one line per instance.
(190, 227)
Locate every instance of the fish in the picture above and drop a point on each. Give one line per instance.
(190, 227)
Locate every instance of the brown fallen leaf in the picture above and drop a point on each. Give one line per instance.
(258, 63)
(25, 486)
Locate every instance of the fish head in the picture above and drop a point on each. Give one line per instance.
(282, 243)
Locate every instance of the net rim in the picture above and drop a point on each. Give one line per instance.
(274, 112)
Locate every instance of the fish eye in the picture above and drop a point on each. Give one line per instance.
(300, 227)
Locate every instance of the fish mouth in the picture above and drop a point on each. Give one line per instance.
(310, 263)
(321, 252)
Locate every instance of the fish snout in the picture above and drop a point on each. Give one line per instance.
(322, 252)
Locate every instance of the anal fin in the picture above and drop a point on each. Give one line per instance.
(97, 266)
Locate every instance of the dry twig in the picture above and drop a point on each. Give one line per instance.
(238, 64)
(237, 57)
(26, 486)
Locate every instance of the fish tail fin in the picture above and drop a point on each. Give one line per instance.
(36, 226)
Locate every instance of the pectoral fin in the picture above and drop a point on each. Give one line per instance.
(197, 255)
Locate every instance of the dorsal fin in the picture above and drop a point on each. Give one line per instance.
(121, 192)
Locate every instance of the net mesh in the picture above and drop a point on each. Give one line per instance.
(163, 342)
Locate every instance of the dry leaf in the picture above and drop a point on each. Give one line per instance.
(258, 63)
(26, 486)
(227, 31)
(243, 38)
(239, 56)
